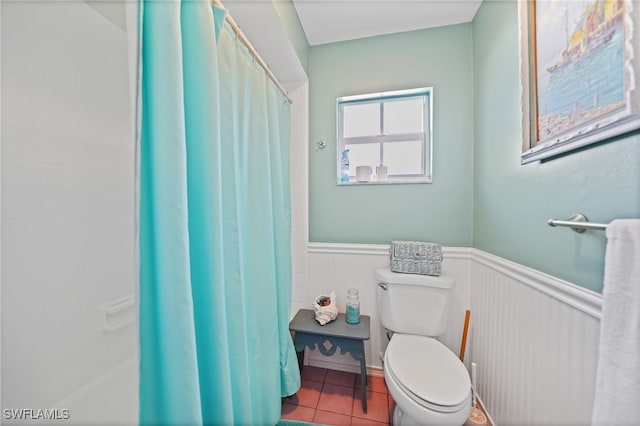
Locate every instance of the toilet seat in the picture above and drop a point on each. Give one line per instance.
(428, 372)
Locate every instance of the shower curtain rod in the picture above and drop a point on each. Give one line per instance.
(252, 50)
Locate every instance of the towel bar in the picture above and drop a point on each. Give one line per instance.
(578, 223)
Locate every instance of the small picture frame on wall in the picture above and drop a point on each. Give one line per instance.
(580, 74)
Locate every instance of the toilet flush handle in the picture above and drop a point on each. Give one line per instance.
(383, 286)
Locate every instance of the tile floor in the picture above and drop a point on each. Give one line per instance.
(333, 398)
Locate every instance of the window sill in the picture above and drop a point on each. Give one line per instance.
(386, 182)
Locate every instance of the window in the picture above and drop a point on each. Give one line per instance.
(385, 137)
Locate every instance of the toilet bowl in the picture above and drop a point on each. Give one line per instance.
(427, 381)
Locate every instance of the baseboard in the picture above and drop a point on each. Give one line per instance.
(480, 405)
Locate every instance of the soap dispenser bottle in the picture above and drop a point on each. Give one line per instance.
(353, 306)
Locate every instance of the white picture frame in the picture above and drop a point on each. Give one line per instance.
(579, 74)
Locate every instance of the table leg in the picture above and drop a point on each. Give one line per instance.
(299, 352)
(300, 355)
(363, 380)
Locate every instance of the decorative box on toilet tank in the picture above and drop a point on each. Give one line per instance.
(415, 257)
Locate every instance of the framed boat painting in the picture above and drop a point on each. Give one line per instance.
(580, 74)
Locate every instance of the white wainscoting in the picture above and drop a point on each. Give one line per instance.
(535, 340)
(534, 337)
(338, 267)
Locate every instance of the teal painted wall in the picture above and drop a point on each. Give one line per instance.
(291, 24)
(513, 202)
(439, 212)
(481, 196)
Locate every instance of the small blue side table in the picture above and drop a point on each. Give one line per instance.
(348, 337)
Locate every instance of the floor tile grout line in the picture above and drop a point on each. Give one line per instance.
(356, 387)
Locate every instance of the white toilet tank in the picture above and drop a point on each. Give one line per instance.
(414, 304)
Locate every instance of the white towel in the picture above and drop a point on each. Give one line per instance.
(617, 393)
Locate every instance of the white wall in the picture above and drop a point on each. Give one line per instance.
(299, 154)
(67, 213)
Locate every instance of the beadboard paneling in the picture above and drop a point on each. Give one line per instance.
(534, 337)
(338, 267)
(535, 341)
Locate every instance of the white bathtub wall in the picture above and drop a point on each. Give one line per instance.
(341, 266)
(67, 212)
(535, 340)
(111, 398)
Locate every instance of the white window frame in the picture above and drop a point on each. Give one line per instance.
(426, 136)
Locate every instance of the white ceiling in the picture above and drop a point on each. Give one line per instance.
(328, 21)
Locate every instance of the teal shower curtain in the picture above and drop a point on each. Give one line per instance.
(214, 225)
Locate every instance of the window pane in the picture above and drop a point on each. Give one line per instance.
(403, 116)
(403, 158)
(361, 119)
(363, 154)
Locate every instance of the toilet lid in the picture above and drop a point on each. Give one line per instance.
(428, 369)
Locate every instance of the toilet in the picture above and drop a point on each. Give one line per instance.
(428, 382)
